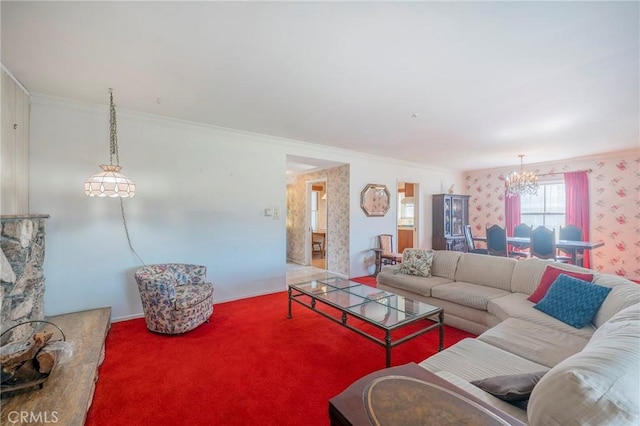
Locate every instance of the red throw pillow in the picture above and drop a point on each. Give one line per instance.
(548, 278)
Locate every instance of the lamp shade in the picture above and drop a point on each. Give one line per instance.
(408, 200)
(109, 183)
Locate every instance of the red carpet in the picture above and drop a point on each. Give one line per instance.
(367, 280)
(248, 365)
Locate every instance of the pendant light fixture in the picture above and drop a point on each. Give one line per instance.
(521, 183)
(110, 183)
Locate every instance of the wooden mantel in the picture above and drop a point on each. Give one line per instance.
(68, 392)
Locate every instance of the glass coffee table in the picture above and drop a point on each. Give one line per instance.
(382, 309)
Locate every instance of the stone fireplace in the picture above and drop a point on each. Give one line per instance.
(68, 391)
(21, 273)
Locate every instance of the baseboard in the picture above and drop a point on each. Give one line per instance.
(127, 317)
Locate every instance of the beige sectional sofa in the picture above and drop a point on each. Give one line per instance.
(592, 374)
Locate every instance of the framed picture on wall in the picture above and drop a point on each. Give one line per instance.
(375, 200)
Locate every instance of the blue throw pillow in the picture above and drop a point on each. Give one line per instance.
(573, 301)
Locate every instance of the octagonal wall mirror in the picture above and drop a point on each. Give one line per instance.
(375, 200)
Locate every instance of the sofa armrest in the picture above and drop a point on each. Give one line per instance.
(511, 409)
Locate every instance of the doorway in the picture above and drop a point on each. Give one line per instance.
(301, 170)
(317, 237)
(407, 216)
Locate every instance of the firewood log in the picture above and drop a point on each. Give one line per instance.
(12, 361)
(26, 372)
(47, 358)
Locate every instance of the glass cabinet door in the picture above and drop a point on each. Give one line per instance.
(456, 216)
(447, 216)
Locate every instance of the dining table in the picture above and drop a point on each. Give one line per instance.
(569, 246)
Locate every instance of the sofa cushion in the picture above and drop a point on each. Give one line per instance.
(445, 263)
(391, 278)
(479, 319)
(472, 359)
(513, 387)
(624, 293)
(534, 342)
(528, 272)
(549, 276)
(516, 305)
(188, 296)
(598, 385)
(467, 294)
(573, 301)
(489, 271)
(416, 262)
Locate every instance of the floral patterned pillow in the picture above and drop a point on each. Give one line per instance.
(417, 262)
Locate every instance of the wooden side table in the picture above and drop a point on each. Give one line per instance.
(357, 404)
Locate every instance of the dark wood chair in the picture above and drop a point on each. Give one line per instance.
(316, 247)
(543, 244)
(471, 245)
(521, 249)
(317, 243)
(572, 233)
(388, 256)
(497, 241)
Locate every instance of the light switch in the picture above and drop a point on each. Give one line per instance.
(268, 212)
(276, 213)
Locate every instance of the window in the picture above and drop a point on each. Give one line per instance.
(314, 210)
(546, 208)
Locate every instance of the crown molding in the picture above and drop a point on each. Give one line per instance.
(310, 149)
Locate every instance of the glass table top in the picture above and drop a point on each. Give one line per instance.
(384, 308)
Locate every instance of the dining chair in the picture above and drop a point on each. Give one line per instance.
(572, 233)
(388, 256)
(543, 245)
(497, 241)
(471, 245)
(521, 230)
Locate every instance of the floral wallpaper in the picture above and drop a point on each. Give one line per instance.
(614, 194)
(337, 218)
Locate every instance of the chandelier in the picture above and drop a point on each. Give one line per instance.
(521, 183)
(110, 183)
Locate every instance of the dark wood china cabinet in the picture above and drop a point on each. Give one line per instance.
(450, 215)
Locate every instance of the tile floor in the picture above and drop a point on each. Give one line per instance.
(299, 273)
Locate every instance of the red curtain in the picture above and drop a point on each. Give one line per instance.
(577, 205)
(511, 213)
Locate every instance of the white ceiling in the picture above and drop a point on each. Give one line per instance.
(487, 80)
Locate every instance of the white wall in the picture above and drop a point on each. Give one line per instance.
(201, 192)
(364, 230)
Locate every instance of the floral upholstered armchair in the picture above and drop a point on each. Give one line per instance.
(175, 297)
